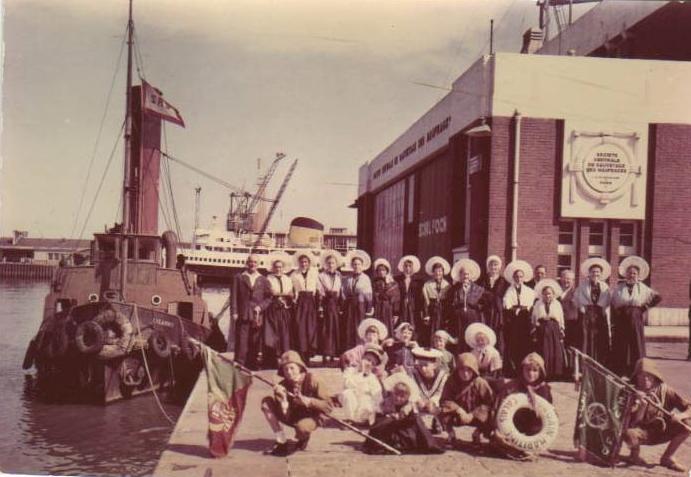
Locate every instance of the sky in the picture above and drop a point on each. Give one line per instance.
(329, 83)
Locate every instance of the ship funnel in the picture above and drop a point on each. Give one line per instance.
(170, 244)
(305, 232)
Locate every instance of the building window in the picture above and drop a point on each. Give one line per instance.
(628, 239)
(597, 239)
(566, 247)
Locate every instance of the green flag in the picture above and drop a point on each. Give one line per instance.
(603, 412)
(226, 400)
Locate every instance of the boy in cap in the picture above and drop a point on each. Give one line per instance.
(362, 393)
(430, 379)
(298, 401)
(371, 332)
(467, 399)
(648, 425)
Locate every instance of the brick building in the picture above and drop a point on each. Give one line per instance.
(551, 159)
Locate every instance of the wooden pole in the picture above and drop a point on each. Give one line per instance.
(628, 386)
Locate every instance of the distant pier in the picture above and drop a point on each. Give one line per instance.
(28, 271)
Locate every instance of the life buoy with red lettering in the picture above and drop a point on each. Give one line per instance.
(532, 442)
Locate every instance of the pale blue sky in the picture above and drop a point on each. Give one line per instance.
(330, 83)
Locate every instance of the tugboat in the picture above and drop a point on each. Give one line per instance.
(118, 325)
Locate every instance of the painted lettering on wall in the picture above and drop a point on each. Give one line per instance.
(432, 227)
(412, 147)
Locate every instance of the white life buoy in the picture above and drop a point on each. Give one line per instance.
(512, 435)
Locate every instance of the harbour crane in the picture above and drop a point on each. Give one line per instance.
(275, 202)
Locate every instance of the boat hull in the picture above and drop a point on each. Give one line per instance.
(103, 352)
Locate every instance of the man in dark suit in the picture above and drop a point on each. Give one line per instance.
(249, 296)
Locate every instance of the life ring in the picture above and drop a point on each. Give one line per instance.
(532, 443)
(89, 337)
(159, 344)
(117, 333)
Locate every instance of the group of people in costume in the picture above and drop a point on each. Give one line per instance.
(424, 357)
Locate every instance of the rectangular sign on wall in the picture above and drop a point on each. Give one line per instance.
(604, 171)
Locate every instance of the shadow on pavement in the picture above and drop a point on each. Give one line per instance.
(253, 444)
(190, 449)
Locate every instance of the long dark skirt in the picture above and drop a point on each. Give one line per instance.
(573, 329)
(518, 340)
(330, 332)
(425, 331)
(460, 320)
(494, 316)
(277, 323)
(353, 313)
(408, 435)
(551, 348)
(596, 339)
(384, 311)
(305, 325)
(628, 339)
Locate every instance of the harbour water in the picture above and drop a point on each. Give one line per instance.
(123, 438)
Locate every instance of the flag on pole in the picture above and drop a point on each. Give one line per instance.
(156, 105)
(227, 396)
(603, 412)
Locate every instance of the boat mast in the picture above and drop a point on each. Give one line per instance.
(125, 230)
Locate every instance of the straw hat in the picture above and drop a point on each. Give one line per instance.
(635, 261)
(411, 258)
(596, 262)
(426, 354)
(288, 357)
(372, 322)
(382, 261)
(493, 258)
(331, 253)
(522, 265)
(548, 283)
(468, 264)
(362, 255)
(475, 328)
(283, 257)
(429, 266)
(401, 377)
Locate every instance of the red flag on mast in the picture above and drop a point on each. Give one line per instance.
(156, 105)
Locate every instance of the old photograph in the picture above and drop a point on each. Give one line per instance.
(306, 238)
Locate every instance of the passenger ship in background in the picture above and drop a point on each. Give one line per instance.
(218, 253)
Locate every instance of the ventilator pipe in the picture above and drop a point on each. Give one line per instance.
(170, 244)
(514, 184)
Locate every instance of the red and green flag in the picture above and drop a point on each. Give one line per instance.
(227, 397)
(603, 412)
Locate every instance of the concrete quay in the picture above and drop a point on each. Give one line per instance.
(334, 452)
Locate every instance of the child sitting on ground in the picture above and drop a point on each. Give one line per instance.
(298, 401)
(481, 339)
(372, 332)
(362, 394)
(467, 400)
(648, 425)
(439, 341)
(430, 379)
(531, 380)
(398, 423)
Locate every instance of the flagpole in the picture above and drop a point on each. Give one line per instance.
(289, 394)
(630, 387)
